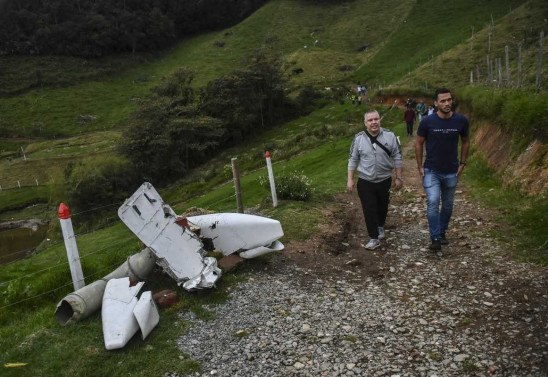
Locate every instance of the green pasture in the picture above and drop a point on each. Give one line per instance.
(521, 26)
(430, 29)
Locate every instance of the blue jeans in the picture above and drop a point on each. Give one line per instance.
(439, 188)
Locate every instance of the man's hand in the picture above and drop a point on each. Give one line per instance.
(398, 183)
(421, 171)
(461, 168)
(350, 185)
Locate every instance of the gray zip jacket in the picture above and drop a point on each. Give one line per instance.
(372, 162)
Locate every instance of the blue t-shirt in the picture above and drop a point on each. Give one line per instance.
(442, 140)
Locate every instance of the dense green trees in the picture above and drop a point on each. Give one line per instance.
(92, 28)
(168, 134)
(177, 129)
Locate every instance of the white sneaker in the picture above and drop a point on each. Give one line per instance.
(373, 244)
(381, 233)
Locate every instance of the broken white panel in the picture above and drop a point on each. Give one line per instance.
(178, 249)
(207, 278)
(231, 232)
(146, 314)
(262, 250)
(119, 323)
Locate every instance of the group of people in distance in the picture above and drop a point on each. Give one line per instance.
(360, 96)
(414, 111)
(375, 154)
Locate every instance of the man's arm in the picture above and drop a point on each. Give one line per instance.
(350, 181)
(464, 147)
(419, 146)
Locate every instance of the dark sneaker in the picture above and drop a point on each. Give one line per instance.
(435, 245)
(444, 240)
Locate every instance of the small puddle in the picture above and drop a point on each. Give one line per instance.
(18, 243)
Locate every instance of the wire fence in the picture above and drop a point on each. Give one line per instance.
(4, 285)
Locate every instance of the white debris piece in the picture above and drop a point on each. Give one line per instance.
(146, 314)
(249, 234)
(179, 250)
(123, 314)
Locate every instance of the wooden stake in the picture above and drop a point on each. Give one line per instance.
(519, 66)
(539, 59)
(507, 64)
(237, 187)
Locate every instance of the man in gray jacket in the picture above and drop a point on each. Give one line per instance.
(375, 153)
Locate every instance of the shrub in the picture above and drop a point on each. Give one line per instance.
(290, 186)
(98, 181)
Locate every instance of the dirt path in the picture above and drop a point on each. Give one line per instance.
(476, 282)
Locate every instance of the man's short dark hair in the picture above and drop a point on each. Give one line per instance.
(440, 91)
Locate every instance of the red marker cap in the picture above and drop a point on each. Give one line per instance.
(64, 211)
(267, 154)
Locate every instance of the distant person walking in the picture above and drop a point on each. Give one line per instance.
(375, 153)
(409, 117)
(440, 133)
(421, 110)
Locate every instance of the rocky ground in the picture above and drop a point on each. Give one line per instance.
(329, 307)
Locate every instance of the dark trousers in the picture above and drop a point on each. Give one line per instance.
(409, 128)
(374, 198)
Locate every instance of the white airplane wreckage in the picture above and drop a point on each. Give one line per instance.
(177, 244)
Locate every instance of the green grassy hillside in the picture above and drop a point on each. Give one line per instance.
(430, 29)
(521, 26)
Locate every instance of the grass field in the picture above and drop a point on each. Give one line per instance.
(430, 29)
(521, 26)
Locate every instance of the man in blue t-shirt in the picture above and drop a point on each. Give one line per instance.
(440, 133)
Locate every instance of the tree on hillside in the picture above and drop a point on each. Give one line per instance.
(167, 135)
(250, 98)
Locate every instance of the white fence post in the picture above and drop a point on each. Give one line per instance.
(271, 179)
(70, 245)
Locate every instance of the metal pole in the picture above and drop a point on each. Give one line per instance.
(271, 179)
(70, 245)
(236, 177)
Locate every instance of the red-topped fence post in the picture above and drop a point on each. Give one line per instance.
(70, 245)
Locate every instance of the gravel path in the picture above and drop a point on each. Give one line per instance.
(395, 311)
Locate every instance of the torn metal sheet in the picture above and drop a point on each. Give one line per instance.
(119, 323)
(179, 250)
(231, 232)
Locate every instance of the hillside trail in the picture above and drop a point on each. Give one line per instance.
(475, 282)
